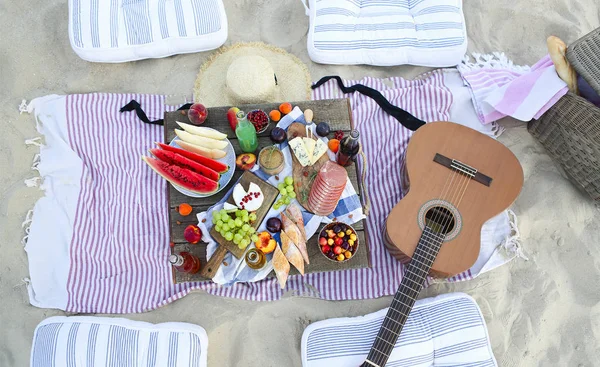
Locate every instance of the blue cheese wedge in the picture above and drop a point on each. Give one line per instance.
(309, 144)
(320, 149)
(300, 152)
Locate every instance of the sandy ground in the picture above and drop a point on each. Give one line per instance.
(544, 311)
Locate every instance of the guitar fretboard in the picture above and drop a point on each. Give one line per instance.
(404, 299)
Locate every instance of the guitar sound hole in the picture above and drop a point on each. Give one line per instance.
(440, 219)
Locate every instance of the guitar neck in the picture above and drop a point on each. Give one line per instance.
(404, 299)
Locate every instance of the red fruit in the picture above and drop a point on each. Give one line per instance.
(192, 234)
(208, 162)
(182, 177)
(337, 250)
(338, 241)
(197, 114)
(232, 117)
(325, 249)
(245, 161)
(322, 241)
(181, 161)
(330, 234)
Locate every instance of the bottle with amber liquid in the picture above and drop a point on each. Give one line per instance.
(349, 147)
(185, 262)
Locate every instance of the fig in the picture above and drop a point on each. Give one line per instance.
(278, 135)
(274, 225)
(323, 129)
(192, 234)
(197, 114)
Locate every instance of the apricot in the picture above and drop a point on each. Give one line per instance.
(285, 108)
(185, 209)
(275, 115)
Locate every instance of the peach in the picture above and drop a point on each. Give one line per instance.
(265, 243)
(192, 234)
(245, 161)
(197, 114)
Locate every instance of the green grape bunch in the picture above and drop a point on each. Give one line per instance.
(286, 189)
(236, 226)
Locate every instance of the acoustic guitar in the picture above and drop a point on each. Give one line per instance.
(459, 179)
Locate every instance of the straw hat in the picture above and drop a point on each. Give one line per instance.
(247, 73)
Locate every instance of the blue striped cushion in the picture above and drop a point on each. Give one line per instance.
(102, 341)
(447, 330)
(387, 32)
(126, 30)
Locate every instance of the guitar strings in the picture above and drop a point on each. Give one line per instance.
(385, 332)
(455, 192)
(458, 191)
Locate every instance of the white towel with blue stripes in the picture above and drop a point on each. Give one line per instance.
(448, 330)
(128, 30)
(387, 32)
(104, 341)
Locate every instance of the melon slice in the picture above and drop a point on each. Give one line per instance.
(210, 153)
(181, 161)
(201, 140)
(203, 160)
(202, 131)
(182, 177)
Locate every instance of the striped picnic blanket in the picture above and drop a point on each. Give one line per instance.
(500, 88)
(387, 32)
(98, 242)
(448, 330)
(117, 31)
(103, 341)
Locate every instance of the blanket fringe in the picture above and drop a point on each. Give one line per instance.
(33, 182)
(495, 60)
(513, 244)
(23, 107)
(27, 225)
(36, 162)
(35, 141)
(497, 130)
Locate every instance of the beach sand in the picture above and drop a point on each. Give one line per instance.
(544, 311)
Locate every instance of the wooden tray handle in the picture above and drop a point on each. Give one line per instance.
(210, 269)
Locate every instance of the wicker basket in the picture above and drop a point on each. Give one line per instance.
(584, 55)
(570, 131)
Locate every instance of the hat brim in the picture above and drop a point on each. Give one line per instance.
(293, 78)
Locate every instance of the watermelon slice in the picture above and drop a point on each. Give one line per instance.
(181, 161)
(182, 177)
(205, 161)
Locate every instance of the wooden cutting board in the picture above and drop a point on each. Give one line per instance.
(303, 176)
(270, 194)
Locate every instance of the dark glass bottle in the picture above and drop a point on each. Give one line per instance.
(349, 147)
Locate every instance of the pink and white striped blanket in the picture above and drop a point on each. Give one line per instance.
(99, 241)
(499, 88)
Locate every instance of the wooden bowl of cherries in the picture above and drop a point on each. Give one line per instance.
(338, 242)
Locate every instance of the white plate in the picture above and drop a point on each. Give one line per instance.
(229, 160)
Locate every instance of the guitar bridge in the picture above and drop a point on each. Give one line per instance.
(463, 168)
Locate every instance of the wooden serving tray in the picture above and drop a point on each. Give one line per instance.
(336, 112)
(270, 194)
(303, 176)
